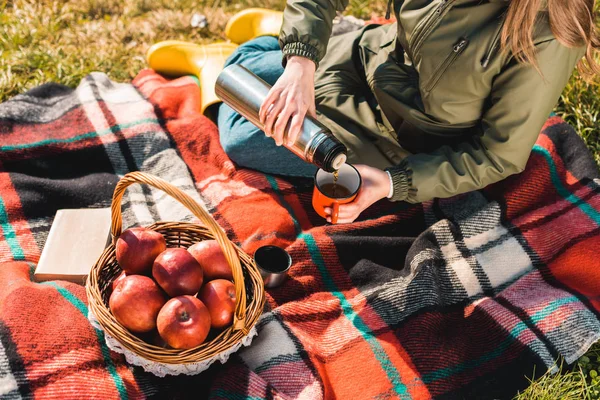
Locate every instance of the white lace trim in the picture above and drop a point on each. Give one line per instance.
(160, 369)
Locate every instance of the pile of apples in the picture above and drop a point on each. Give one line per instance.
(179, 294)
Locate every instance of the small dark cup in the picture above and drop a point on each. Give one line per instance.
(273, 263)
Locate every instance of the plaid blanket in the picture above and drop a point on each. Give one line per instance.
(455, 298)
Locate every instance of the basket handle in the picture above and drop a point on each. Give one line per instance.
(239, 318)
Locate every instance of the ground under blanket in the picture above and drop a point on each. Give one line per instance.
(457, 298)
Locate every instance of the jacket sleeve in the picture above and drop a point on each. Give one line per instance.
(520, 102)
(307, 26)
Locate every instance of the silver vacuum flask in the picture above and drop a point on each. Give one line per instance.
(243, 91)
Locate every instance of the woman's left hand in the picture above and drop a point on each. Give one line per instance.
(375, 186)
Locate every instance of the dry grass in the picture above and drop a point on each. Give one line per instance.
(64, 40)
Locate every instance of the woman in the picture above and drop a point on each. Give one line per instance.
(449, 99)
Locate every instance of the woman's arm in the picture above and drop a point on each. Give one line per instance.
(307, 26)
(520, 103)
(305, 33)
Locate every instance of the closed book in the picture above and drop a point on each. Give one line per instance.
(76, 240)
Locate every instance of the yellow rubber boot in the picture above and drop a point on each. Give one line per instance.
(253, 22)
(177, 58)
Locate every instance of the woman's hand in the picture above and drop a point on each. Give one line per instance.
(292, 97)
(375, 186)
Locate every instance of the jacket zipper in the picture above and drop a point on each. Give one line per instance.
(492, 50)
(428, 25)
(457, 50)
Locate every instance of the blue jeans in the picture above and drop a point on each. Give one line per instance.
(243, 142)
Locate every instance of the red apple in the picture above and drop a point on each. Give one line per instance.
(117, 280)
(184, 322)
(137, 248)
(135, 303)
(219, 298)
(214, 264)
(177, 272)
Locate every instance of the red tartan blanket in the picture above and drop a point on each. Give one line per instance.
(456, 298)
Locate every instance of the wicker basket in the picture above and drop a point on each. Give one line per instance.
(248, 287)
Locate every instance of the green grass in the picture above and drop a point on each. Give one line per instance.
(579, 105)
(64, 40)
(578, 382)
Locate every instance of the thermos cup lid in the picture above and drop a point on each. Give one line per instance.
(273, 263)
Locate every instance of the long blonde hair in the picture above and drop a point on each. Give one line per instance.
(573, 23)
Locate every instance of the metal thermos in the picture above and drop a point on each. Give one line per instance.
(245, 92)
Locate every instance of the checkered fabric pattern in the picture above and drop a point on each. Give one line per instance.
(454, 298)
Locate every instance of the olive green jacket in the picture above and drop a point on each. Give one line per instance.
(468, 113)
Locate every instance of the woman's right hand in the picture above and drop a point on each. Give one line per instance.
(292, 97)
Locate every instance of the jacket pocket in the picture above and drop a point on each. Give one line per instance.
(457, 50)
